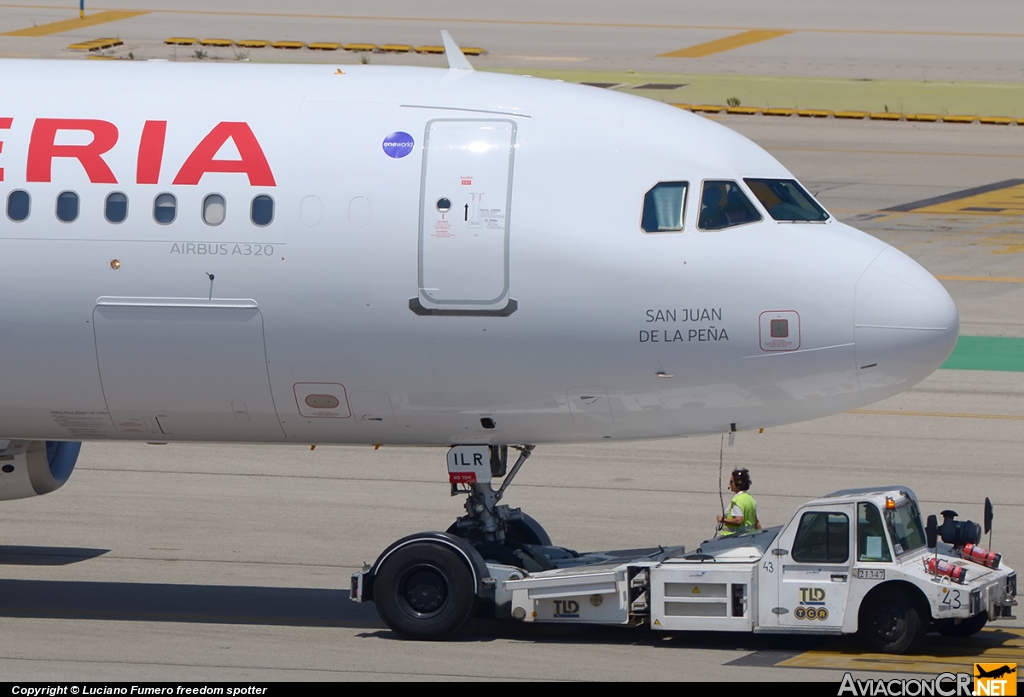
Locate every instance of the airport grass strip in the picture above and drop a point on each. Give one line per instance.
(987, 353)
(913, 101)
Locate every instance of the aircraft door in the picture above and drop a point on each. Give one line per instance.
(465, 201)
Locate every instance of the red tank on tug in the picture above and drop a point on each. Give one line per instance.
(942, 567)
(981, 556)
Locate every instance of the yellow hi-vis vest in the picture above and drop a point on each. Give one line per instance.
(748, 506)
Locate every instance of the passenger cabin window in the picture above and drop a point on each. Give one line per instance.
(787, 201)
(115, 209)
(664, 207)
(165, 209)
(18, 205)
(822, 538)
(67, 206)
(723, 204)
(262, 211)
(214, 209)
(871, 542)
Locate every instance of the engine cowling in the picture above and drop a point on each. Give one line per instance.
(35, 467)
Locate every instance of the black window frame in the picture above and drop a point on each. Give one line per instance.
(78, 205)
(106, 207)
(156, 207)
(649, 214)
(252, 209)
(728, 203)
(820, 540)
(202, 212)
(28, 206)
(866, 529)
(824, 215)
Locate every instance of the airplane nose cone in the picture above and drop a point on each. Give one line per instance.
(906, 325)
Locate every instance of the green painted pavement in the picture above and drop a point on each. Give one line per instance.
(987, 353)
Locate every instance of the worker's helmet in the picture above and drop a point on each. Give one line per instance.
(742, 479)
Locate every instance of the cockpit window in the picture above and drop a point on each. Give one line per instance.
(664, 207)
(723, 204)
(786, 200)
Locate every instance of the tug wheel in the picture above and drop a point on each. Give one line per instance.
(890, 623)
(425, 591)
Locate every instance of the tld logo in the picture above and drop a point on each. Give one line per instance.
(567, 608)
(812, 596)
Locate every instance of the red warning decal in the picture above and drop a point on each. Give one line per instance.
(442, 229)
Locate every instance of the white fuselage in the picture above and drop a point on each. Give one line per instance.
(533, 308)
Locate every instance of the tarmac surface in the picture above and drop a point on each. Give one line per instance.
(197, 562)
(941, 40)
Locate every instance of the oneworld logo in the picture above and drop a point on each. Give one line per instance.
(398, 144)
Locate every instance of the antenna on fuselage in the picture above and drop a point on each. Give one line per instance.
(456, 58)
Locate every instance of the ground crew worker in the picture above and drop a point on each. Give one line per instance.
(741, 515)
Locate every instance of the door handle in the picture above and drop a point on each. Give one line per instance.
(839, 578)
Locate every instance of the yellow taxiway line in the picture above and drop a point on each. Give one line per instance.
(983, 279)
(727, 44)
(72, 24)
(923, 153)
(995, 645)
(896, 412)
(550, 23)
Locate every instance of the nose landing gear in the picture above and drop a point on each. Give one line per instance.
(470, 469)
(429, 585)
(501, 534)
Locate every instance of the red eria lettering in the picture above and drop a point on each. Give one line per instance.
(5, 123)
(151, 152)
(44, 148)
(253, 162)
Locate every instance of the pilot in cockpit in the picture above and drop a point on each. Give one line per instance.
(723, 204)
(713, 203)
